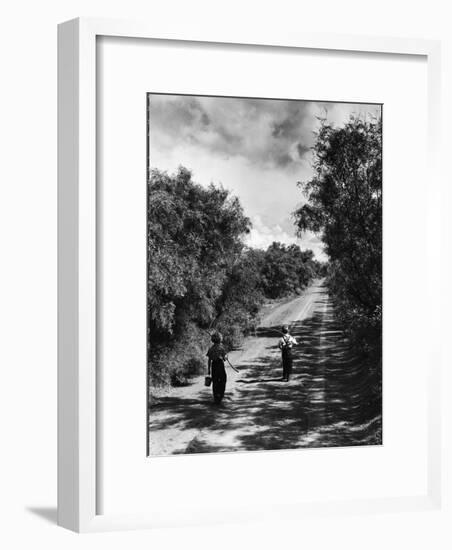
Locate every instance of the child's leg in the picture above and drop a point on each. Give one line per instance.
(289, 368)
(222, 384)
(218, 382)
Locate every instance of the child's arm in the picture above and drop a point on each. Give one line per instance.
(209, 363)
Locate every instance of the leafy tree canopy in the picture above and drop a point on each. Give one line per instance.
(344, 205)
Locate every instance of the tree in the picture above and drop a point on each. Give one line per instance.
(286, 270)
(194, 236)
(241, 299)
(344, 205)
(201, 276)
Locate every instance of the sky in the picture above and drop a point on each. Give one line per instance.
(257, 148)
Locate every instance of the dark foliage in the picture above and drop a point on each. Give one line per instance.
(345, 206)
(286, 270)
(193, 239)
(238, 307)
(201, 277)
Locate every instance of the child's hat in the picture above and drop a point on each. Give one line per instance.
(216, 338)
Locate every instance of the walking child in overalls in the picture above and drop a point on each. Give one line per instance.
(285, 345)
(215, 367)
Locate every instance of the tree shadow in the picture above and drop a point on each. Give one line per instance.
(259, 380)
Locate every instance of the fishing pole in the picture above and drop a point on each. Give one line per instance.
(231, 365)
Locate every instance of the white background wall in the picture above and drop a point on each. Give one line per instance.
(28, 267)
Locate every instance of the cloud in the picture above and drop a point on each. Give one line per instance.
(262, 236)
(268, 133)
(256, 148)
(302, 149)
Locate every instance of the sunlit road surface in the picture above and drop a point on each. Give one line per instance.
(326, 402)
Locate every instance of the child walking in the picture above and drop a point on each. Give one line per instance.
(215, 367)
(285, 345)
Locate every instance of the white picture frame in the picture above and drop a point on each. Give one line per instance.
(78, 469)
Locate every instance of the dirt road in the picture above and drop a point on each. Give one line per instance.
(326, 403)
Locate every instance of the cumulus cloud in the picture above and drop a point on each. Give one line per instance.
(270, 133)
(256, 148)
(262, 236)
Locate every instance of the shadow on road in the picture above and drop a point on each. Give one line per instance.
(330, 400)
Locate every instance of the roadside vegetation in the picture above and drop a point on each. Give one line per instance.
(201, 276)
(344, 206)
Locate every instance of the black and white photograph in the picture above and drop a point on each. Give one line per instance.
(264, 274)
(230, 224)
